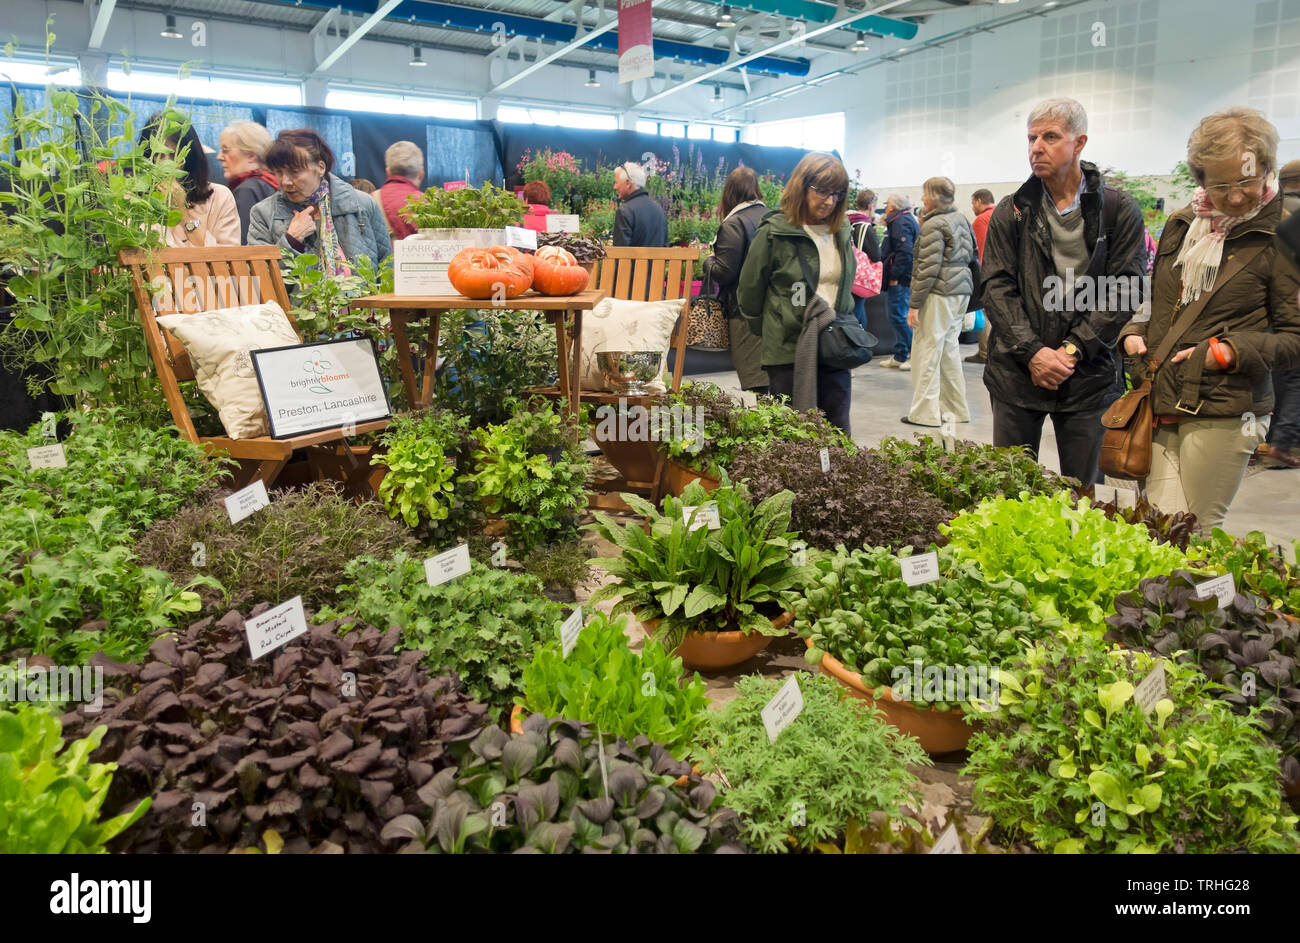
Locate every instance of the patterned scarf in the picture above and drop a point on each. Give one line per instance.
(333, 261)
(1202, 248)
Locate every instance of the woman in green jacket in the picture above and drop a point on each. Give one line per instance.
(771, 294)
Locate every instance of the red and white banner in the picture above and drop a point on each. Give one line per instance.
(636, 54)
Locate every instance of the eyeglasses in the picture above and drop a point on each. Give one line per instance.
(833, 195)
(1246, 186)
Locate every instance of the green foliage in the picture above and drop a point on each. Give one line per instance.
(484, 625)
(1073, 560)
(739, 577)
(837, 761)
(604, 683)
(878, 835)
(1255, 566)
(467, 208)
(299, 545)
(539, 496)
(562, 174)
(972, 472)
(598, 220)
(50, 797)
(559, 787)
(493, 357)
(563, 565)
(1070, 761)
(860, 611)
(427, 455)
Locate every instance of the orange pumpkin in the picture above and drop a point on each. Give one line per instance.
(557, 272)
(501, 271)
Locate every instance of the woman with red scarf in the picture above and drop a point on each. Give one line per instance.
(243, 150)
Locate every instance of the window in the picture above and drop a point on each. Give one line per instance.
(360, 100)
(817, 133)
(40, 73)
(672, 129)
(526, 114)
(699, 132)
(647, 127)
(194, 86)
(723, 133)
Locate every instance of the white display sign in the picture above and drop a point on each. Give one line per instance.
(420, 261)
(707, 516)
(570, 631)
(921, 568)
(781, 711)
(245, 501)
(447, 565)
(521, 238)
(1283, 547)
(47, 456)
(326, 385)
(1104, 494)
(825, 456)
(562, 222)
(1221, 586)
(1126, 498)
(274, 627)
(949, 842)
(1151, 690)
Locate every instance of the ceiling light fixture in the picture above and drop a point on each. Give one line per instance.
(717, 94)
(169, 30)
(725, 19)
(861, 44)
(591, 79)
(417, 58)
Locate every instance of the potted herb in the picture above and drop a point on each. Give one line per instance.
(1255, 566)
(715, 596)
(468, 218)
(970, 472)
(422, 463)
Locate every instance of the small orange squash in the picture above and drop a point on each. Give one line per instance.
(557, 272)
(501, 271)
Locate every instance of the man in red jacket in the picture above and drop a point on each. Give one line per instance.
(404, 165)
(982, 202)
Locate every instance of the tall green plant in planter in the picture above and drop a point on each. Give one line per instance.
(77, 195)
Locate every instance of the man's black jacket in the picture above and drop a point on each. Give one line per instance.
(1027, 315)
(640, 221)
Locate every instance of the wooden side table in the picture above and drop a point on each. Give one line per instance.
(405, 309)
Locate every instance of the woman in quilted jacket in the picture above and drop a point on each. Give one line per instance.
(941, 287)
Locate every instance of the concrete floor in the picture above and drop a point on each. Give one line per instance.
(1269, 499)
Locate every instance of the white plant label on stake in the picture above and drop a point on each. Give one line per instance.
(48, 456)
(247, 500)
(949, 842)
(949, 443)
(1221, 586)
(1126, 498)
(521, 238)
(1105, 494)
(781, 711)
(825, 455)
(706, 515)
(1151, 690)
(1285, 548)
(274, 627)
(923, 568)
(447, 565)
(569, 632)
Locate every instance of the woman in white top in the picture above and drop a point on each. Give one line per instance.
(210, 217)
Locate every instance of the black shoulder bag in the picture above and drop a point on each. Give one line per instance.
(843, 343)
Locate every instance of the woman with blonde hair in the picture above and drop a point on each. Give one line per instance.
(242, 155)
(1217, 262)
(941, 287)
(809, 232)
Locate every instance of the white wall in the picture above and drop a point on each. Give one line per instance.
(1205, 55)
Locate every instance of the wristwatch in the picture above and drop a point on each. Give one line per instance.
(1072, 351)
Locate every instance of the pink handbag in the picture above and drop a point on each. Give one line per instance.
(866, 280)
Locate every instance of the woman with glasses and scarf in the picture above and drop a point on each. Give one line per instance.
(1213, 396)
(315, 211)
(809, 232)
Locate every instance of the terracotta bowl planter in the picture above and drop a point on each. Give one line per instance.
(677, 476)
(517, 726)
(716, 651)
(937, 731)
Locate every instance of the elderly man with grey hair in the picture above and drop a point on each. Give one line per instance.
(901, 230)
(640, 220)
(1054, 249)
(404, 165)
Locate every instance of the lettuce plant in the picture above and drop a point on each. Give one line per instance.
(970, 473)
(603, 682)
(425, 453)
(1070, 762)
(1255, 566)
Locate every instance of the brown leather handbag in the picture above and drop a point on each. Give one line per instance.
(1130, 422)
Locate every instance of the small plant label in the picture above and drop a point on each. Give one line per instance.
(447, 565)
(1105, 494)
(569, 632)
(1151, 690)
(781, 711)
(825, 456)
(949, 842)
(274, 627)
(1221, 586)
(246, 501)
(949, 443)
(521, 238)
(1126, 498)
(707, 516)
(1283, 547)
(923, 568)
(47, 456)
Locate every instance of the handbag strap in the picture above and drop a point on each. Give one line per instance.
(1190, 313)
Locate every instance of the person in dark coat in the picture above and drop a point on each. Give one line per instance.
(740, 210)
(1284, 433)
(862, 229)
(243, 151)
(901, 229)
(640, 220)
(1055, 322)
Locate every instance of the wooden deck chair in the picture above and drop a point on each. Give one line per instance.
(205, 280)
